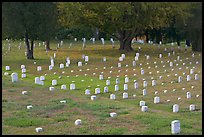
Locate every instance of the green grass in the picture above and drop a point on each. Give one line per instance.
(58, 118)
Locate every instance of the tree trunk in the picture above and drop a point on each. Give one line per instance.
(47, 43)
(29, 51)
(197, 42)
(158, 36)
(147, 35)
(125, 41)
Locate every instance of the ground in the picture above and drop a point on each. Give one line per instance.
(58, 118)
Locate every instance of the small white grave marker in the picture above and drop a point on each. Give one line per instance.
(175, 127)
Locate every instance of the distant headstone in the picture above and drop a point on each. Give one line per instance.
(112, 96)
(72, 86)
(125, 86)
(175, 108)
(125, 95)
(144, 109)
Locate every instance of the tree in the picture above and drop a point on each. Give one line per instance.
(194, 26)
(31, 20)
(121, 20)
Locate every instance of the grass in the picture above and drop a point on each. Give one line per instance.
(58, 118)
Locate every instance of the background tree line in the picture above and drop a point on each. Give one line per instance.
(159, 21)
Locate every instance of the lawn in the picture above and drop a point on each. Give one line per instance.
(58, 118)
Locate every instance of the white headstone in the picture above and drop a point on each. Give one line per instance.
(29, 107)
(196, 76)
(86, 58)
(79, 63)
(142, 72)
(116, 87)
(23, 70)
(188, 95)
(78, 122)
(104, 59)
(125, 95)
(107, 82)
(144, 109)
(54, 82)
(175, 108)
(100, 77)
(42, 78)
(87, 92)
(144, 84)
(133, 63)
(119, 65)
(63, 87)
(105, 90)
(188, 78)
(38, 129)
(113, 114)
(72, 86)
(23, 75)
(123, 56)
(175, 127)
(24, 92)
(93, 97)
(7, 67)
(153, 82)
(97, 90)
(136, 85)
(126, 79)
(39, 68)
(160, 55)
(22, 66)
(156, 100)
(61, 65)
(179, 79)
(192, 107)
(120, 58)
(51, 88)
(191, 71)
(50, 67)
(142, 103)
(125, 86)
(144, 92)
(112, 96)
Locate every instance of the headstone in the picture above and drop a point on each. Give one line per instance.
(136, 85)
(24, 92)
(100, 77)
(105, 90)
(136, 58)
(39, 68)
(179, 79)
(38, 129)
(63, 87)
(87, 92)
(171, 64)
(72, 86)
(50, 67)
(175, 127)
(51, 88)
(29, 107)
(192, 107)
(23, 70)
(125, 95)
(42, 78)
(117, 81)
(86, 58)
(79, 63)
(123, 56)
(113, 114)
(144, 92)
(61, 65)
(116, 87)
(144, 84)
(156, 100)
(153, 82)
(22, 66)
(160, 55)
(126, 79)
(142, 103)
(93, 97)
(112, 96)
(54, 82)
(23, 75)
(125, 86)
(196, 76)
(78, 122)
(7, 67)
(107, 82)
(97, 90)
(133, 63)
(119, 65)
(191, 71)
(175, 108)
(188, 78)
(120, 58)
(104, 59)
(142, 72)
(188, 95)
(144, 109)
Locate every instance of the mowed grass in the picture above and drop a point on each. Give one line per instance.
(58, 118)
